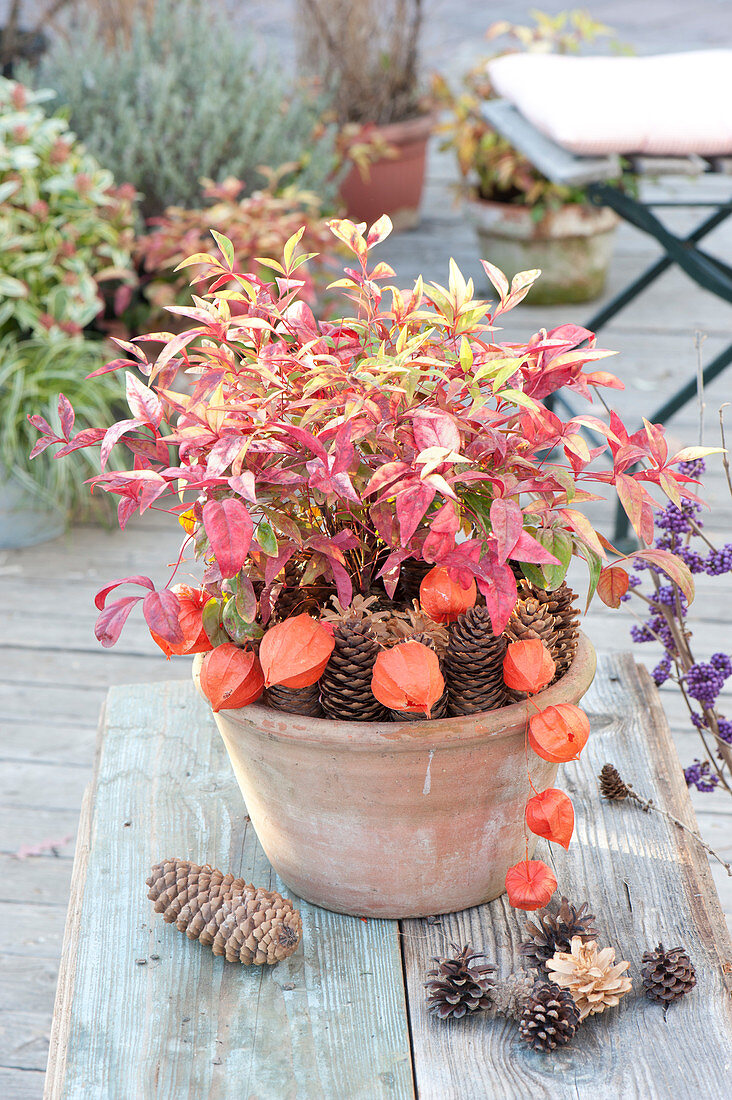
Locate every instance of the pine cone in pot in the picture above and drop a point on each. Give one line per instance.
(459, 986)
(548, 932)
(345, 686)
(296, 700)
(552, 617)
(667, 975)
(550, 1017)
(474, 664)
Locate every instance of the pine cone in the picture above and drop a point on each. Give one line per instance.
(411, 575)
(550, 1017)
(298, 599)
(612, 785)
(296, 700)
(345, 686)
(593, 977)
(413, 624)
(459, 986)
(511, 996)
(474, 664)
(667, 975)
(245, 924)
(553, 617)
(549, 932)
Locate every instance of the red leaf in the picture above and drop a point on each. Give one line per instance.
(528, 666)
(559, 733)
(101, 596)
(435, 430)
(507, 522)
(529, 549)
(612, 585)
(294, 653)
(674, 568)
(229, 528)
(162, 612)
(66, 415)
(113, 435)
(86, 438)
(411, 504)
(551, 815)
(530, 884)
(109, 625)
(443, 598)
(407, 677)
(144, 404)
(500, 594)
(443, 529)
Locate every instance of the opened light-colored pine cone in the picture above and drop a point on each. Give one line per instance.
(244, 923)
(511, 995)
(592, 976)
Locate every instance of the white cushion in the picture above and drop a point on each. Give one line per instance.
(667, 105)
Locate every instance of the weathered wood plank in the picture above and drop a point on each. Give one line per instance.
(328, 1022)
(23, 1041)
(17, 1084)
(17, 828)
(647, 882)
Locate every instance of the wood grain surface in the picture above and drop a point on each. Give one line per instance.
(646, 881)
(142, 1011)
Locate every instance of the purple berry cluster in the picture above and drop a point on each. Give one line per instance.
(701, 776)
(678, 526)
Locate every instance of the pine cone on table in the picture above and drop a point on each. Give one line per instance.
(512, 994)
(296, 700)
(612, 785)
(459, 986)
(592, 976)
(474, 664)
(550, 1017)
(548, 932)
(552, 617)
(245, 924)
(345, 686)
(667, 975)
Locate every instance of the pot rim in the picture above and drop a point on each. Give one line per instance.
(415, 736)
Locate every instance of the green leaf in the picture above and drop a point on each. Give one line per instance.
(516, 397)
(211, 620)
(238, 629)
(594, 562)
(267, 538)
(197, 258)
(558, 543)
(227, 248)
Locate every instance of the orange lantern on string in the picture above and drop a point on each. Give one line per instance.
(550, 815)
(407, 677)
(195, 638)
(443, 598)
(530, 884)
(294, 653)
(559, 733)
(231, 677)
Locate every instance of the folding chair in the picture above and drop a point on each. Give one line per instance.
(596, 175)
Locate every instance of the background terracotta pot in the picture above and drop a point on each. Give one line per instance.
(392, 819)
(394, 185)
(572, 246)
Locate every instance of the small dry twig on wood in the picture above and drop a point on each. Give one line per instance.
(615, 789)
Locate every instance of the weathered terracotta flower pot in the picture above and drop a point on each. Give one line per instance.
(394, 184)
(392, 819)
(572, 246)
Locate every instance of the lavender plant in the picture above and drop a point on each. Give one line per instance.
(700, 682)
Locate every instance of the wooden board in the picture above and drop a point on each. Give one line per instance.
(329, 1022)
(647, 881)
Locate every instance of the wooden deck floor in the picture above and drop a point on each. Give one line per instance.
(53, 676)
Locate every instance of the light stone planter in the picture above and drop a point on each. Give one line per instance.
(392, 819)
(572, 246)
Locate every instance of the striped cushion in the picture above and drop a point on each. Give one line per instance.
(667, 105)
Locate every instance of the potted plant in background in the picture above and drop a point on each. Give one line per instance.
(521, 218)
(367, 55)
(66, 233)
(384, 538)
(21, 43)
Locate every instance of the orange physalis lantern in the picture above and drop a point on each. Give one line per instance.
(530, 884)
(528, 666)
(443, 598)
(559, 733)
(551, 815)
(294, 653)
(195, 638)
(231, 677)
(407, 677)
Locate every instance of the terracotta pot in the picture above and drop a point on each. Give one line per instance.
(392, 819)
(572, 246)
(394, 185)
